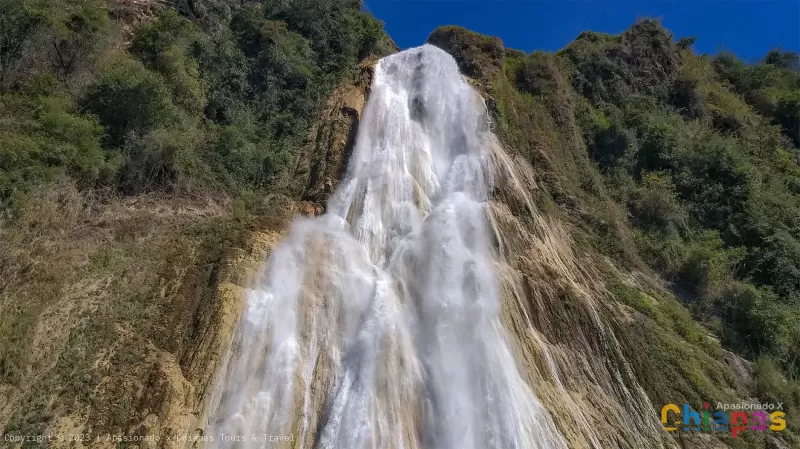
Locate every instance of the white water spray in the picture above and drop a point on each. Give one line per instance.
(376, 325)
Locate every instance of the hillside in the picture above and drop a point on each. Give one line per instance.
(680, 170)
(146, 150)
(152, 153)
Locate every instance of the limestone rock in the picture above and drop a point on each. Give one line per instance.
(333, 136)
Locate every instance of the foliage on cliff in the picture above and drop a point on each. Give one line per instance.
(140, 144)
(680, 165)
(218, 103)
(137, 143)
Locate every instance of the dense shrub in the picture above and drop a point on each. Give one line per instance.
(61, 38)
(478, 56)
(701, 152)
(787, 114)
(783, 59)
(611, 144)
(44, 136)
(765, 85)
(338, 32)
(162, 158)
(540, 75)
(775, 387)
(655, 205)
(242, 90)
(130, 101)
(642, 60)
(170, 46)
(239, 151)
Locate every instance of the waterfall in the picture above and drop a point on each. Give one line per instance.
(377, 324)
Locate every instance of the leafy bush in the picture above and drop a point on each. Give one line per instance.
(611, 145)
(759, 323)
(605, 68)
(42, 137)
(60, 38)
(478, 56)
(777, 263)
(685, 43)
(540, 75)
(772, 386)
(129, 101)
(698, 94)
(338, 32)
(241, 152)
(687, 97)
(783, 59)
(285, 68)
(655, 205)
(166, 46)
(162, 158)
(662, 143)
(787, 114)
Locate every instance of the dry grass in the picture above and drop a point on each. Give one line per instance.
(100, 295)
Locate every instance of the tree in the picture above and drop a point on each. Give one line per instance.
(783, 59)
(130, 100)
(787, 114)
(686, 42)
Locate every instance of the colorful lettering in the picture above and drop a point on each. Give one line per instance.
(733, 418)
(738, 423)
(720, 421)
(758, 421)
(690, 415)
(778, 423)
(665, 419)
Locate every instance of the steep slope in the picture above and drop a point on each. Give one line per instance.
(347, 344)
(140, 184)
(643, 217)
(377, 323)
(566, 115)
(594, 375)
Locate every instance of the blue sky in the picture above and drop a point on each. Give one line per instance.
(748, 28)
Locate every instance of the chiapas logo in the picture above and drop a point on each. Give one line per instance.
(733, 418)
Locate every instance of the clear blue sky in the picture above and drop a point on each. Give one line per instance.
(748, 28)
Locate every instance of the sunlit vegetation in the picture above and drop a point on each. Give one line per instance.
(224, 102)
(682, 166)
(138, 149)
(679, 164)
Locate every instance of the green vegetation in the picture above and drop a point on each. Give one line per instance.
(709, 184)
(134, 159)
(173, 130)
(478, 56)
(222, 103)
(692, 175)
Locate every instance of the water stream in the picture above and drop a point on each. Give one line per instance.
(377, 324)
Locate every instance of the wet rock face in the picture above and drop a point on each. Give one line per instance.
(560, 340)
(333, 136)
(378, 323)
(578, 371)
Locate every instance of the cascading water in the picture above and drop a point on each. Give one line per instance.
(377, 324)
